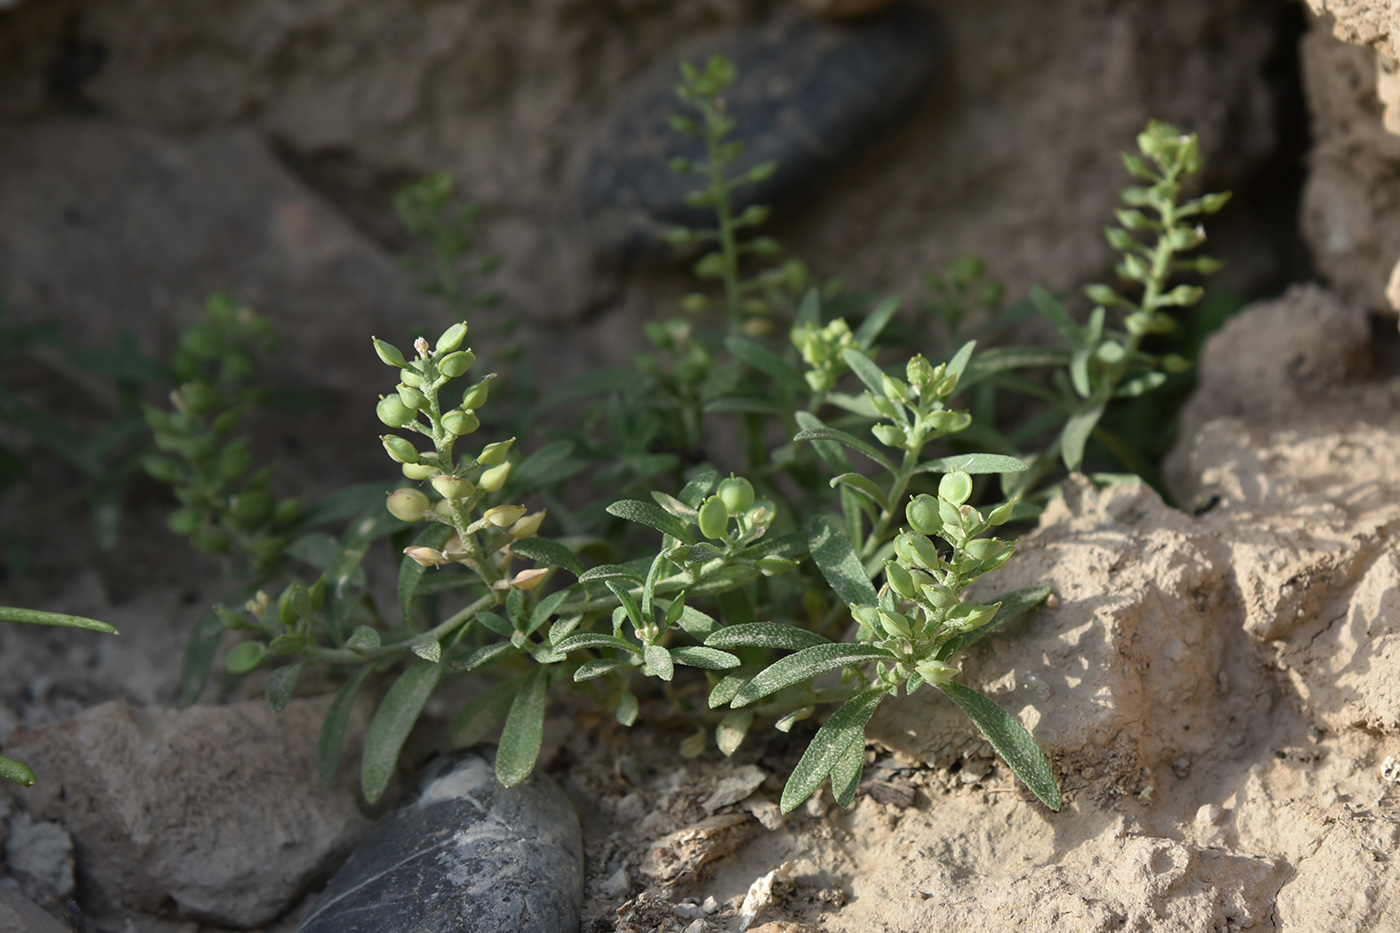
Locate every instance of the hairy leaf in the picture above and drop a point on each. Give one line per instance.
(480, 715)
(804, 665)
(765, 635)
(649, 513)
(395, 718)
(549, 553)
(524, 730)
(1011, 741)
(332, 739)
(831, 743)
(838, 562)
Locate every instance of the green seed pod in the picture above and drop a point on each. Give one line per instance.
(867, 616)
(453, 487)
(419, 471)
(714, 518)
(185, 521)
(198, 397)
(412, 398)
(946, 422)
(251, 507)
(985, 548)
(210, 541)
(493, 479)
(457, 363)
(936, 672)
(894, 389)
(528, 526)
(895, 624)
(493, 454)
(389, 353)
(461, 422)
(965, 617)
(881, 404)
(399, 450)
(923, 514)
(244, 657)
(955, 487)
(393, 412)
(737, 494)
(407, 505)
(918, 551)
(452, 338)
(504, 515)
(410, 377)
(899, 580)
(772, 565)
(890, 435)
(939, 596)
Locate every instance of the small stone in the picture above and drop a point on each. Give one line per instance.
(686, 911)
(617, 884)
(710, 906)
(734, 788)
(18, 914)
(1209, 814)
(468, 854)
(809, 95)
(815, 807)
(697, 926)
(765, 811)
(40, 857)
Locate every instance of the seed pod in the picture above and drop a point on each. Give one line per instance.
(407, 505)
(185, 521)
(410, 377)
(411, 397)
(773, 565)
(895, 624)
(894, 389)
(452, 338)
(457, 363)
(923, 514)
(475, 397)
(461, 422)
(900, 580)
(399, 450)
(503, 515)
(393, 412)
(243, 657)
(890, 435)
(425, 556)
(714, 518)
(965, 617)
(251, 507)
(443, 507)
(419, 471)
(528, 526)
(493, 479)
(867, 616)
(453, 487)
(955, 487)
(389, 353)
(936, 672)
(737, 494)
(493, 454)
(529, 579)
(1002, 513)
(985, 548)
(939, 595)
(918, 551)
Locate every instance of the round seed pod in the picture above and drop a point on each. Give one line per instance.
(452, 338)
(737, 494)
(393, 412)
(399, 449)
(457, 363)
(407, 505)
(461, 422)
(922, 513)
(714, 518)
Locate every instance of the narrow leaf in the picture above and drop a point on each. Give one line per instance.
(627, 708)
(1011, 741)
(476, 720)
(410, 571)
(549, 553)
(958, 364)
(863, 485)
(804, 665)
(696, 624)
(280, 684)
(838, 562)
(729, 685)
(597, 668)
(331, 743)
(628, 601)
(866, 369)
(487, 655)
(832, 741)
(524, 730)
(710, 659)
(730, 732)
(869, 330)
(16, 771)
(766, 361)
(610, 572)
(1051, 307)
(648, 513)
(845, 774)
(544, 609)
(597, 640)
(698, 488)
(973, 463)
(1076, 433)
(830, 452)
(36, 617)
(658, 662)
(841, 437)
(765, 635)
(393, 721)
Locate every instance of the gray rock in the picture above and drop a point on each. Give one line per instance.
(40, 857)
(18, 914)
(214, 811)
(809, 95)
(468, 854)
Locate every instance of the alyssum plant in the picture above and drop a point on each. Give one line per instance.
(756, 580)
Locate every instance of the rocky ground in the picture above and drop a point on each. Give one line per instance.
(1218, 686)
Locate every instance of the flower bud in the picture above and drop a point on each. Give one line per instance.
(503, 515)
(493, 479)
(399, 450)
(529, 579)
(475, 397)
(443, 507)
(452, 338)
(411, 397)
(407, 505)
(713, 518)
(425, 556)
(389, 353)
(419, 471)
(393, 412)
(456, 364)
(493, 454)
(528, 526)
(890, 435)
(923, 514)
(737, 494)
(453, 487)
(461, 422)
(955, 487)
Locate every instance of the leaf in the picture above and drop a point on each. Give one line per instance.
(1076, 433)
(610, 572)
(280, 684)
(1011, 741)
(494, 623)
(648, 513)
(958, 364)
(549, 553)
(973, 463)
(729, 685)
(544, 609)
(343, 505)
(627, 708)
(203, 645)
(486, 655)
(830, 452)
(1013, 605)
(765, 635)
(696, 553)
(696, 624)
(36, 617)
(841, 437)
(845, 774)
(524, 730)
(1050, 306)
(16, 771)
(675, 506)
(869, 330)
(392, 723)
(838, 562)
(832, 741)
(698, 488)
(479, 716)
(730, 732)
(597, 668)
(658, 662)
(548, 464)
(866, 369)
(628, 601)
(410, 571)
(863, 485)
(804, 665)
(766, 361)
(708, 658)
(597, 640)
(332, 741)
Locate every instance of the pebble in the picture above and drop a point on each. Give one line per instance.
(809, 95)
(468, 854)
(617, 884)
(711, 905)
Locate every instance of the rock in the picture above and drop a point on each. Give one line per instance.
(808, 96)
(214, 812)
(617, 884)
(678, 857)
(734, 787)
(18, 914)
(468, 854)
(40, 856)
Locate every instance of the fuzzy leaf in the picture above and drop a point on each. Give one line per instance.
(708, 658)
(1011, 741)
(831, 743)
(332, 740)
(648, 513)
(1076, 433)
(36, 617)
(597, 668)
(698, 488)
(973, 463)
(479, 716)
(838, 562)
(549, 553)
(280, 684)
(544, 609)
(524, 730)
(766, 361)
(597, 640)
(841, 437)
(395, 718)
(765, 635)
(863, 485)
(866, 369)
(730, 732)
(869, 330)
(845, 774)
(804, 665)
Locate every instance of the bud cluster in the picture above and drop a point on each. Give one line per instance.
(821, 347)
(917, 406)
(733, 515)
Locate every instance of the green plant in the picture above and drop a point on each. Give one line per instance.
(429, 216)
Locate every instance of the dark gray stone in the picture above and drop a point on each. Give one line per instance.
(467, 855)
(809, 95)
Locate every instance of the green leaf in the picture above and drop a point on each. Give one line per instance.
(700, 486)
(487, 655)
(708, 658)
(36, 617)
(1013, 605)
(544, 609)
(395, 718)
(804, 665)
(869, 330)
(766, 361)
(494, 623)
(1076, 433)
(648, 513)
(863, 485)
(524, 730)
(831, 743)
(16, 771)
(729, 685)
(627, 708)
(280, 684)
(765, 635)
(845, 774)
(973, 463)
(610, 572)
(597, 668)
(1011, 741)
(549, 553)
(203, 645)
(628, 601)
(866, 369)
(597, 640)
(695, 553)
(730, 732)
(410, 571)
(830, 452)
(1051, 307)
(958, 364)
(332, 741)
(696, 624)
(548, 464)
(658, 662)
(841, 437)
(838, 562)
